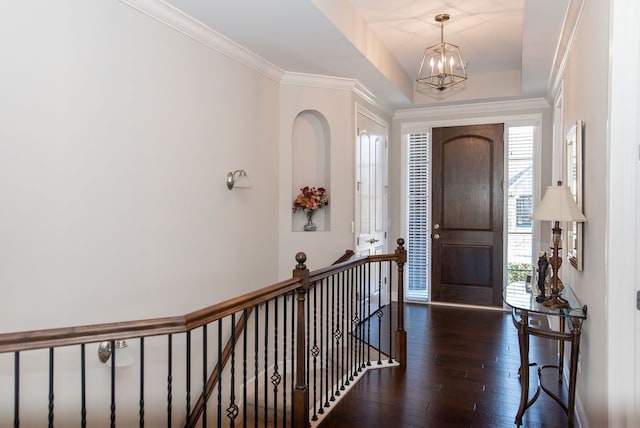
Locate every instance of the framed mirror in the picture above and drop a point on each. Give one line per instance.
(574, 180)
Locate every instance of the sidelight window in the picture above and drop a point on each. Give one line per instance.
(520, 201)
(419, 213)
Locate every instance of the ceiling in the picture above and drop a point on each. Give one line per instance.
(508, 46)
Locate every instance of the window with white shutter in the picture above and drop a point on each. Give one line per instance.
(520, 201)
(418, 216)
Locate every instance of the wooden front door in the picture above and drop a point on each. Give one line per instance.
(467, 214)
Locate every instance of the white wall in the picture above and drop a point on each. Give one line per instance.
(333, 99)
(585, 100)
(623, 251)
(116, 135)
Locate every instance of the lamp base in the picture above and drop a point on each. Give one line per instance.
(556, 302)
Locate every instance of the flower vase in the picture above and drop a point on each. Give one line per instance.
(310, 226)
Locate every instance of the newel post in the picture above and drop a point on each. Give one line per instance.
(301, 391)
(400, 335)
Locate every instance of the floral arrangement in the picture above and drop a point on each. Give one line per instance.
(310, 199)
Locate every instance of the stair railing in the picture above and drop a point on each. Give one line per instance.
(285, 318)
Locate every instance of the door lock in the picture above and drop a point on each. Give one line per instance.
(372, 241)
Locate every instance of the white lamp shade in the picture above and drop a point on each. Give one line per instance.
(558, 205)
(238, 179)
(242, 181)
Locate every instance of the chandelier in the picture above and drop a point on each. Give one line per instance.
(442, 66)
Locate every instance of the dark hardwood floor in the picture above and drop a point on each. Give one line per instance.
(462, 371)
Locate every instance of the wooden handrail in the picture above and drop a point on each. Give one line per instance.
(65, 336)
(343, 258)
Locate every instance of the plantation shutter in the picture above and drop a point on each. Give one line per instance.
(520, 200)
(419, 211)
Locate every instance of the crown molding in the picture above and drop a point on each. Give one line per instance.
(567, 37)
(368, 96)
(179, 21)
(339, 83)
(185, 24)
(486, 108)
(317, 81)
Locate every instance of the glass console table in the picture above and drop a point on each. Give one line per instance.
(523, 303)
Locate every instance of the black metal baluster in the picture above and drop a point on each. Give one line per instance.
(266, 363)
(83, 386)
(255, 370)
(219, 397)
(308, 340)
(314, 353)
(343, 330)
(50, 387)
(113, 384)
(232, 410)
(335, 335)
(353, 290)
(391, 313)
(293, 353)
(332, 331)
(245, 315)
(325, 333)
(284, 359)
(361, 318)
(369, 314)
(188, 379)
(321, 285)
(16, 390)
(169, 378)
(204, 376)
(141, 405)
(350, 326)
(275, 377)
(380, 313)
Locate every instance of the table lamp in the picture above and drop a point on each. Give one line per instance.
(557, 205)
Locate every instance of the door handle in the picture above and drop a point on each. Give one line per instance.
(372, 241)
(436, 236)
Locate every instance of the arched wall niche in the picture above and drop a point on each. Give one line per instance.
(311, 144)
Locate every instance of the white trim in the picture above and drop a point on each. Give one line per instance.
(622, 233)
(565, 42)
(317, 81)
(478, 109)
(185, 24)
(511, 120)
(374, 117)
(385, 364)
(176, 19)
(502, 308)
(367, 96)
(339, 83)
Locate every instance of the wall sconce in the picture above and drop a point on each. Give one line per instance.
(239, 179)
(122, 353)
